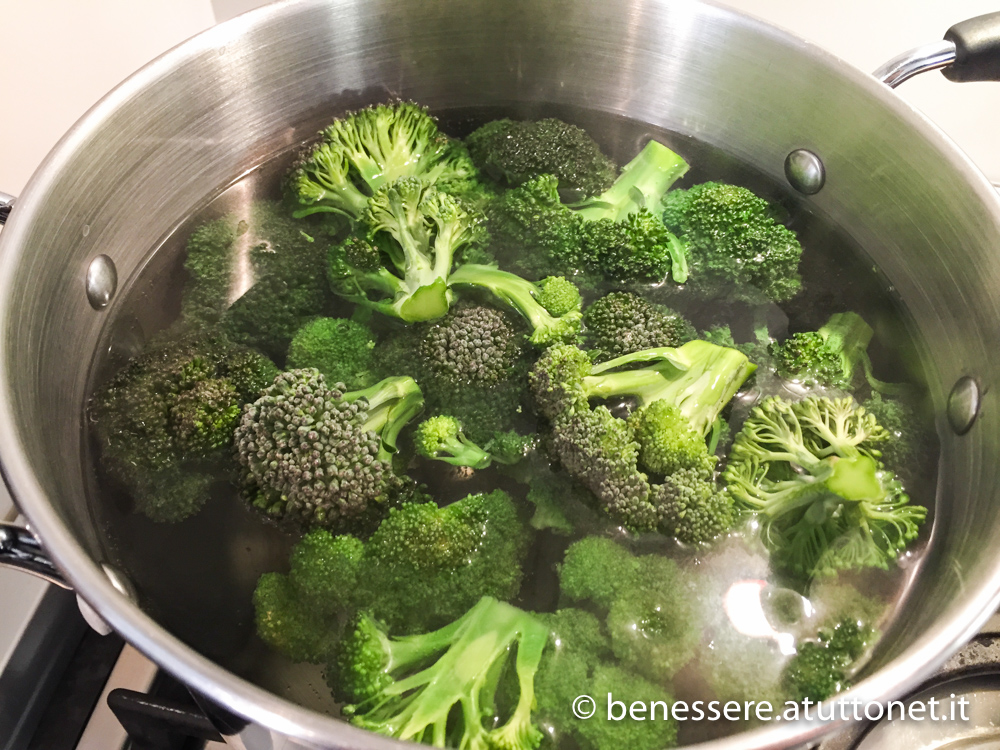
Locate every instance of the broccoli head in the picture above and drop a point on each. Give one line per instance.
(831, 356)
(441, 438)
(471, 344)
(209, 263)
(314, 455)
(623, 323)
(401, 266)
(288, 624)
(810, 472)
(559, 295)
(667, 443)
(692, 508)
(440, 687)
(513, 152)
(340, 348)
(822, 667)
(165, 422)
(361, 153)
(735, 244)
(908, 438)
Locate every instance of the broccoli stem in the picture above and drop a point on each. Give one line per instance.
(642, 183)
(392, 403)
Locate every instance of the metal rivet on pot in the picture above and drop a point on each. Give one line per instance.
(121, 584)
(805, 171)
(102, 281)
(963, 404)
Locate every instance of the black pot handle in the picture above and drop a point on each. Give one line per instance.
(6, 202)
(977, 49)
(970, 51)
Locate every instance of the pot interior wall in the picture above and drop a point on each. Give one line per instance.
(163, 144)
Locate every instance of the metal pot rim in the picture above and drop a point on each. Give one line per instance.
(245, 699)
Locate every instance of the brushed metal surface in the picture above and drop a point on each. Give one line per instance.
(191, 122)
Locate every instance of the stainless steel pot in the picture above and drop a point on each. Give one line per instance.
(163, 142)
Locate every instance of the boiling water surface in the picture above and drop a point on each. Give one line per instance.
(197, 577)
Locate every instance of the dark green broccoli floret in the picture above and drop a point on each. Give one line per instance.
(166, 420)
(314, 455)
(613, 233)
(440, 687)
(525, 297)
(623, 323)
(651, 618)
(831, 356)
(560, 505)
(401, 266)
(736, 246)
(907, 441)
(290, 625)
(287, 284)
(667, 443)
(340, 348)
(514, 152)
(692, 508)
(364, 151)
(822, 667)
(472, 344)
(509, 447)
(810, 471)
(326, 570)
(559, 295)
(603, 733)
(209, 263)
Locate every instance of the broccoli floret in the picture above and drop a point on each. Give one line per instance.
(288, 624)
(166, 420)
(287, 288)
(326, 570)
(623, 323)
(907, 441)
(439, 688)
(831, 356)
(821, 667)
(559, 296)
(209, 264)
(401, 267)
(314, 455)
(559, 504)
(698, 378)
(736, 246)
(810, 471)
(651, 620)
(613, 233)
(366, 150)
(441, 438)
(514, 152)
(757, 350)
(472, 344)
(692, 508)
(340, 348)
(509, 447)
(525, 297)
(601, 733)
(667, 443)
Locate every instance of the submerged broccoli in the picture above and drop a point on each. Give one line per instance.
(736, 246)
(907, 436)
(527, 298)
(651, 619)
(810, 471)
(441, 438)
(613, 233)
(340, 348)
(314, 455)
(513, 152)
(367, 150)
(165, 422)
(401, 267)
(440, 688)
(422, 567)
(209, 263)
(821, 667)
(623, 323)
(472, 344)
(831, 356)
(667, 443)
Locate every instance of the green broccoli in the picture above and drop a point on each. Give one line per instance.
(209, 263)
(822, 667)
(440, 688)
(652, 623)
(365, 151)
(472, 344)
(613, 233)
(527, 298)
(736, 246)
(810, 472)
(441, 438)
(313, 455)
(165, 422)
(401, 266)
(667, 443)
(297, 631)
(513, 152)
(340, 348)
(559, 504)
(559, 296)
(831, 356)
(692, 508)
(623, 323)
(908, 437)
(510, 447)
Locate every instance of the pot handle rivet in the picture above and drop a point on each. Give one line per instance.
(963, 404)
(102, 281)
(805, 171)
